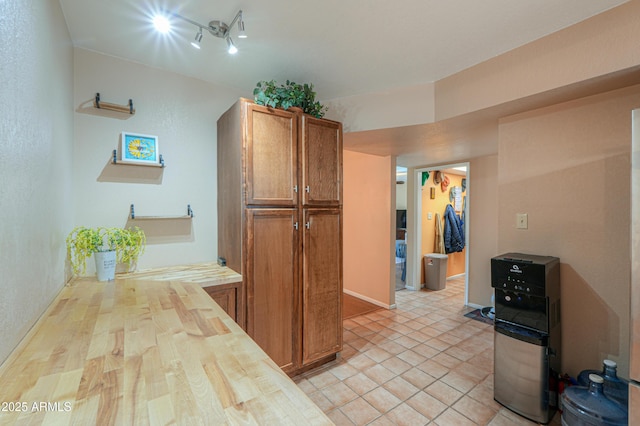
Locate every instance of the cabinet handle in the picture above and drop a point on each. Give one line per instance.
(295, 188)
(307, 189)
(308, 225)
(295, 226)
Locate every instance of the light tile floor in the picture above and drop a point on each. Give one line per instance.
(422, 363)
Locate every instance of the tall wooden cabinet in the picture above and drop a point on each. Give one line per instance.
(280, 226)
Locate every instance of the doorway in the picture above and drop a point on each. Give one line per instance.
(422, 228)
(401, 228)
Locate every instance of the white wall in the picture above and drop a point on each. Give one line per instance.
(182, 112)
(36, 134)
(401, 196)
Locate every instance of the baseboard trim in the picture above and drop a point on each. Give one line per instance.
(456, 276)
(368, 299)
(474, 306)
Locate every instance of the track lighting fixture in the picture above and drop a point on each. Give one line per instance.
(215, 28)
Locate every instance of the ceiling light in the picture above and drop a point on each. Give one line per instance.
(241, 33)
(196, 43)
(231, 48)
(162, 23)
(215, 28)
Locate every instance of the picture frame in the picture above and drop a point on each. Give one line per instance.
(138, 148)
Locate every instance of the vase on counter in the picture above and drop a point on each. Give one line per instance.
(105, 265)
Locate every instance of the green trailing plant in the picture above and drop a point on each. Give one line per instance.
(288, 95)
(82, 242)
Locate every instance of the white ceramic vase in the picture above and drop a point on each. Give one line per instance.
(105, 265)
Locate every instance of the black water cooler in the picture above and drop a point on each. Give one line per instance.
(527, 333)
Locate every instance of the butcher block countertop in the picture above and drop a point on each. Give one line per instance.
(205, 274)
(139, 351)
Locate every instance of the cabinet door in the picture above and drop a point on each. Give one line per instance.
(321, 162)
(322, 284)
(229, 298)
(272, 283)
(271, 144)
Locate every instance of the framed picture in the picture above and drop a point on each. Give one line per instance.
(139, 149)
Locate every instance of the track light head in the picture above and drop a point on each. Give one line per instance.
(231, 48)
(161, 23)
(196, 42)
(241, 33)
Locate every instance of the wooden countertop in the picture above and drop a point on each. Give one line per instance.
(135, 352)
(205, 274)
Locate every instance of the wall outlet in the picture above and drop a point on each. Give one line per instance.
(522, 221)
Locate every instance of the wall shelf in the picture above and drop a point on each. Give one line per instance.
(124, 109)
(132, 215)
(114, 160)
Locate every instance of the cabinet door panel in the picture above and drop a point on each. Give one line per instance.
(271, 153)
(226, 298)
(322, 284)
(322, 162)
(272, 283)
(229, 298)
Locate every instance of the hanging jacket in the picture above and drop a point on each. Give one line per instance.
(453, 231)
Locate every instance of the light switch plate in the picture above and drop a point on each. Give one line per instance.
(429, 215)
(522, 221)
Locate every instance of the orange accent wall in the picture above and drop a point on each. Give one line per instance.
(367, 240)
(456, 261)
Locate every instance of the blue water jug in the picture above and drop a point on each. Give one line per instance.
(614, 387)
(589, 406)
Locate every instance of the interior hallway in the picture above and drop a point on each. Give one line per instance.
(422, 363)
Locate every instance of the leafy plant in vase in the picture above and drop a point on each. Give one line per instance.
(117, 244)
(288, 95)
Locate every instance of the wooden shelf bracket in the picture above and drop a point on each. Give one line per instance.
(132, 215)
(125, 109)
(114, 160)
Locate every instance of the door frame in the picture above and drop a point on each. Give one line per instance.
(414, 250)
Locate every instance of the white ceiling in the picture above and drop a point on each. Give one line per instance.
(343, 47)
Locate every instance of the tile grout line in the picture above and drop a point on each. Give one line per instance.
(429, 329)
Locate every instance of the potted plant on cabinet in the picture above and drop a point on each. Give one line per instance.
(109, 246)
(289, 95)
